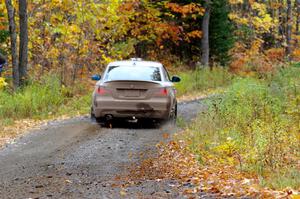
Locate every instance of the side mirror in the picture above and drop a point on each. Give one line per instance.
(96, 77)
(175, 79)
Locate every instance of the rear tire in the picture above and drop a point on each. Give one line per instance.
(173, 115)
(99, 120)
(175, 112)
(92, 114)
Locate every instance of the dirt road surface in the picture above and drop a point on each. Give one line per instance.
(76, 158)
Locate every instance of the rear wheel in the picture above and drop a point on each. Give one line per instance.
(99, 120)
(173, 114)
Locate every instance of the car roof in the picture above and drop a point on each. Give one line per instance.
(135, 63)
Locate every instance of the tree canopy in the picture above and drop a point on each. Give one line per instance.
(75, 38)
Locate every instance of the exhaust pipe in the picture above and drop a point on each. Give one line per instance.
(133, 120)
(108, 117)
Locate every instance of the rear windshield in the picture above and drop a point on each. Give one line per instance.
(142, 73)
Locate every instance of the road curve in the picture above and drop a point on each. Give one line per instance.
(76, 158)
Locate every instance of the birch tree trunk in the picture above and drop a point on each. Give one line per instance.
(23, 51)
(13, 42)
(205, 34)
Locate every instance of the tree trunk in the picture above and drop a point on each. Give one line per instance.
(13, 42)
(205, 34)
(2, 59)
(298, 17)
(289, 30)
(281, 18)
(23, 53)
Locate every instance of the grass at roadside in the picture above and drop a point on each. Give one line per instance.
(42, 100)
(255, 127)
(201, 80)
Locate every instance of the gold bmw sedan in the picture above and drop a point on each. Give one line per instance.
(134, 90)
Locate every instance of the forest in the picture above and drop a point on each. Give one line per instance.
(246, 51)
(75, 38)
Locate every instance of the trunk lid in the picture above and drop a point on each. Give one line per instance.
(132, 89)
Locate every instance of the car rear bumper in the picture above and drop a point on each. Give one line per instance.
(158, 108)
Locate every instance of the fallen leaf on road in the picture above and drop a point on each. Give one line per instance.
(123, 192)
(176, 162)
(166, 135)
(295, 196)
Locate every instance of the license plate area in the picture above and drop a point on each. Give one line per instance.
(132, 93)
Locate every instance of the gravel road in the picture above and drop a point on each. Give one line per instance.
(76, 158)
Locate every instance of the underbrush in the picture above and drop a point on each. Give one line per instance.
(255, 126)
(42, 100)
(203, 79)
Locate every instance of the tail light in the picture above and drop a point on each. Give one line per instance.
(102, 91)
(163, 92)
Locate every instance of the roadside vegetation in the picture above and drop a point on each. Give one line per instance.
(43, 99)
(201, 80)
(254, 126)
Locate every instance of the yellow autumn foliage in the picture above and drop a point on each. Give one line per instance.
(2, 83)
(235, 1)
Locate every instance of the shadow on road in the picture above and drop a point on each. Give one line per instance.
(127, 124)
